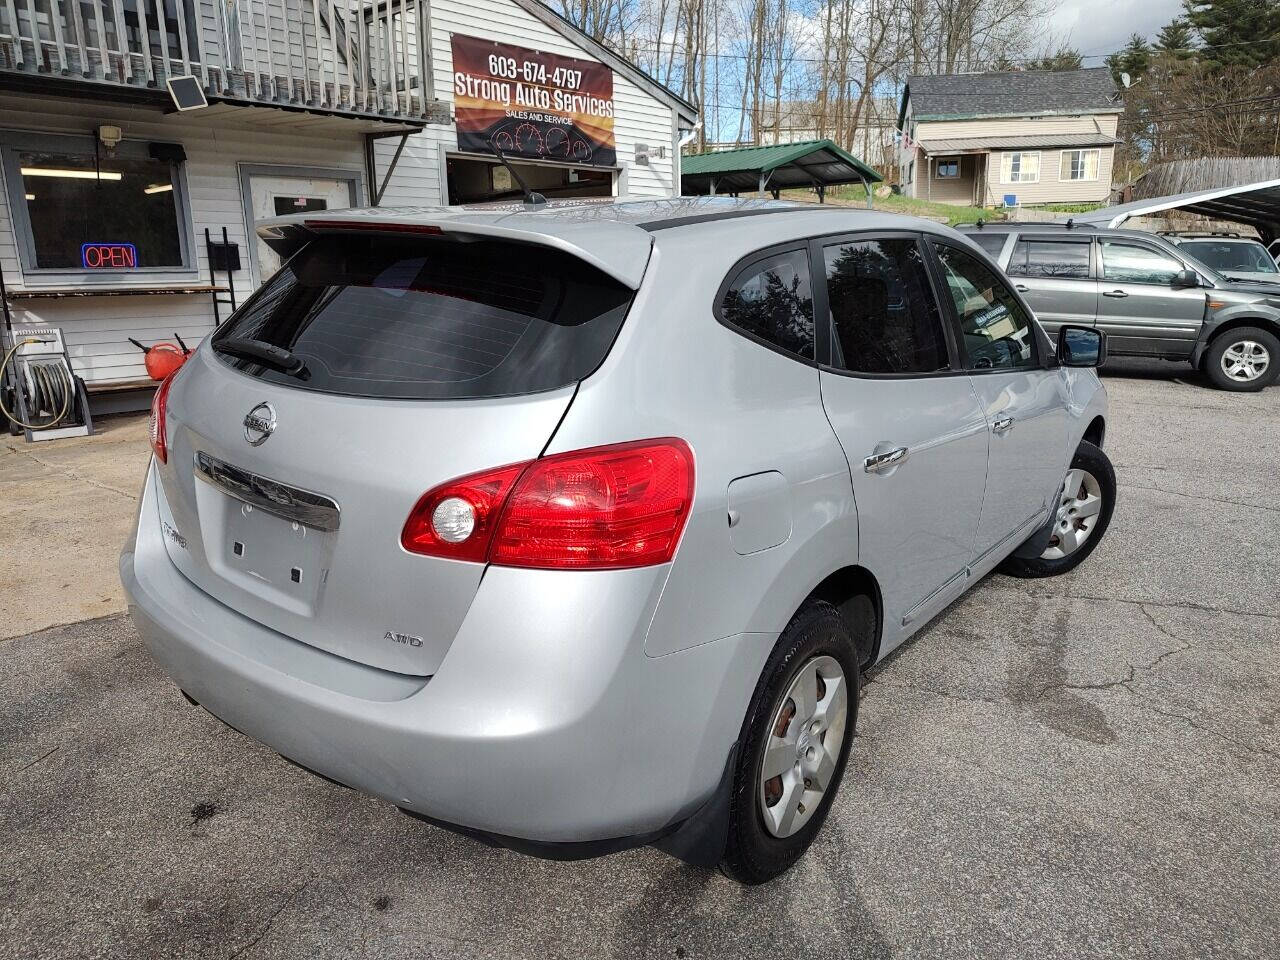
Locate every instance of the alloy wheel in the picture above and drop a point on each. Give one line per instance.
(1079, 504)
(803, 746)
(1245, 360)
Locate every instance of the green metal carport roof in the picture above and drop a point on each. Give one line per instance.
(810, 163)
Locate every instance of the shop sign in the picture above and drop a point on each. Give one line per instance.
(109, 256)
(540, 106)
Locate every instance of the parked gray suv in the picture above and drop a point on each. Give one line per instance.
(572, 528)
(1152, 298)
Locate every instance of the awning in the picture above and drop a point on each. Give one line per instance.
(1254, 204)
(811, 163)
(1030, 141)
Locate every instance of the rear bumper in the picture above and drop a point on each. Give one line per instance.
(546, 721)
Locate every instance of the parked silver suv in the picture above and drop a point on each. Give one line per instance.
(574, 527)
(1153, 299)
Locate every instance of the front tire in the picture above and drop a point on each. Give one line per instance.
(1243, 360)
(1084, 506)
(795, 743)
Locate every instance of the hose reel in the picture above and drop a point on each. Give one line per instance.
(39, 392)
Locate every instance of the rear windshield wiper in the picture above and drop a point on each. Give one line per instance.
(267, 354)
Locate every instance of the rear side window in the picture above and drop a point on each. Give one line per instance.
(882, 308)
(991, 243)
(431, 318)
(1054, 259)
(772, 299)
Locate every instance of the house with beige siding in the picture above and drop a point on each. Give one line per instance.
(128, 212)
(1024, 138)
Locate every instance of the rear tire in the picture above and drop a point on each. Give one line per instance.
(1078, 526)
(1243, 360)
(807, 694)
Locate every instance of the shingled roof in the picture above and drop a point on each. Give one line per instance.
(961, 96)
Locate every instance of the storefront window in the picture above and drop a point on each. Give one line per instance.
(101, 211)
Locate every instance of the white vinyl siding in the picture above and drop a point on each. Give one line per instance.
(1078, 165)
(97, 328)
(1020, 167)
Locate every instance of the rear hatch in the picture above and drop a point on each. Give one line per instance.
(424, 356)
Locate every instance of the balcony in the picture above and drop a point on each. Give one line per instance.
(364, 59)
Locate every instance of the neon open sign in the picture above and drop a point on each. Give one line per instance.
(109, 256)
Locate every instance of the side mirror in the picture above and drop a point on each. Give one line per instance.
(1081, 346)
(1186, 278)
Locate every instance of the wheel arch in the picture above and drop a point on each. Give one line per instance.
(1096, 432)
(845, 590)
(1262, 321)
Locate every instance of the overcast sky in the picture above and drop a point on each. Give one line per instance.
(1102, 26)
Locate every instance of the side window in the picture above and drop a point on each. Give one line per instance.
(884, 314)
(996, 330)
(1055, 259)
(991, 243)
(772, 299)
(1134, 263)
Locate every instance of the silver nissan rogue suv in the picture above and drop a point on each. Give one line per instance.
(572, 527)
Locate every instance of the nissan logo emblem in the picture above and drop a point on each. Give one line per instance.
(259, 423)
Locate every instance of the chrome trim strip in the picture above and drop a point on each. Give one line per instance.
(280, 499)
(1038, 515)
(914, 612)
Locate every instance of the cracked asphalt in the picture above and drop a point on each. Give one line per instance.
(1080, 767)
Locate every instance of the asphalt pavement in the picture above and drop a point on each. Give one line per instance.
(1081, 767)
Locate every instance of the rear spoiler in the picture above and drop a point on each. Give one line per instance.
(620, 250)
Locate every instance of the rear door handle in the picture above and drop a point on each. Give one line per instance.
(1002, 424)
(1118, 294)
(883, 461)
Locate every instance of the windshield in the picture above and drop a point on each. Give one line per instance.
(1232, 255)
(426, 318)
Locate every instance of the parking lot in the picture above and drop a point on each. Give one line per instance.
(1085, 766)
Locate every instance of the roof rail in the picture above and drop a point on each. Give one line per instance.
(1051, 225)
(1203, 233)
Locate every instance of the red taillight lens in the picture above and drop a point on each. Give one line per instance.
(598, 509)
(438, 525)
(159, 413)
(603, 508)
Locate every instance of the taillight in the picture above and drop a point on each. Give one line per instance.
(457, 519)
(603, 508)
(159, 414)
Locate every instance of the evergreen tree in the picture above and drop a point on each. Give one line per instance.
(1175, 40)
(1064, 58)
(1236, 33)
(1134, 59)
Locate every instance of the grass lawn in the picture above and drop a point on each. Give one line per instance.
(855, 195)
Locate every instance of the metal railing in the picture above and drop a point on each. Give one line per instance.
(350, 57)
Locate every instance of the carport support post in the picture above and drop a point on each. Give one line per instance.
(866, 185)
(765, 177)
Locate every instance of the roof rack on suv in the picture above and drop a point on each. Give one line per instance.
(1054, 224)
(1203, 233)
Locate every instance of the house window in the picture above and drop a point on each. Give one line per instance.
(1079, 165)
(948, 169)
(85, 210)
(1020, 168)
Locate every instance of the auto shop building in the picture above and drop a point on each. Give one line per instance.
(118, 190)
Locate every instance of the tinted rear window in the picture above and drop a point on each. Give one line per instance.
(991, 243)
(432, 318)
(1055, 259)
